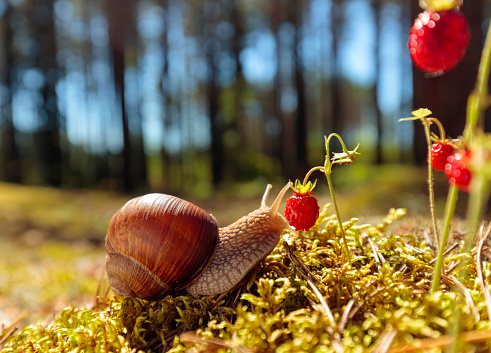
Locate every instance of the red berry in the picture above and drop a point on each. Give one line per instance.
(439, 154)
(438, 40)
(302, 210)
(457, 170)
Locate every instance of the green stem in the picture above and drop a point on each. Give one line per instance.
(477, 198)
(456, 330)
(453, 193)
(327, 171)
(336, 210)
(478, 192)
(478, 97)
(343, 146)
(440, 127)
(307, 176)
(426, 124)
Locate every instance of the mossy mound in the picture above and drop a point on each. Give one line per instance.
(305, 297)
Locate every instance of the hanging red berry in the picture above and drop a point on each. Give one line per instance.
(438, 40)
(302, 209)
(440, 151)
(457, 169)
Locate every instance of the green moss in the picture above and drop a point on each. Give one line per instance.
(274, 309)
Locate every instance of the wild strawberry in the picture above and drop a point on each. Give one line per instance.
(439, 154)
(302, 210)
(457, 170)
(438, 40)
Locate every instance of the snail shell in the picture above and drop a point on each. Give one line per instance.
(158, 243)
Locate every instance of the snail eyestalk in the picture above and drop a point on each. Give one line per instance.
(266, 195)
(276, 204)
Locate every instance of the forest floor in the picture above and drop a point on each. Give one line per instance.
(52, 252)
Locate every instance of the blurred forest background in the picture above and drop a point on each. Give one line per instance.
(104, 98)
(129, 95)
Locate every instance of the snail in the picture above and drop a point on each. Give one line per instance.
(159, 243)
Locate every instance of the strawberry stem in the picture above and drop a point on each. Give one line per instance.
(478, 194)
(338, 217)
(431, 190)
(327, 172)
(307, 176)
(440, 127)
(475, 107)
(422, 115)
(479, 95)
(453, 192)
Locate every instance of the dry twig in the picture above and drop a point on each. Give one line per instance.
(385, 340)
(212, 344)
(346, 313)
(468, 297)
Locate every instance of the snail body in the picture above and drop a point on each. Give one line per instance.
(159, 243)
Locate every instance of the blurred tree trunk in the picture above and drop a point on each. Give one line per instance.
(294, 152)
(376, 4)
(217, 154)
(100, 170)
(122, 42)
(406, 93)
(301, 159)
(238, 120)
(47, 139)
(335, 82)
(167, 121)
(282, 140)
(116, 44)
(9, 151)
(216, 129)
(446, 95)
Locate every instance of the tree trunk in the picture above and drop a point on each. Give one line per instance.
(279, 149)
(217, 152)
(378, 114)
(215, 129)
(301, 116)
(122, 42)
(9, 151)
(47, 139)
(238, 120)
(166, 118)
(335, 86)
